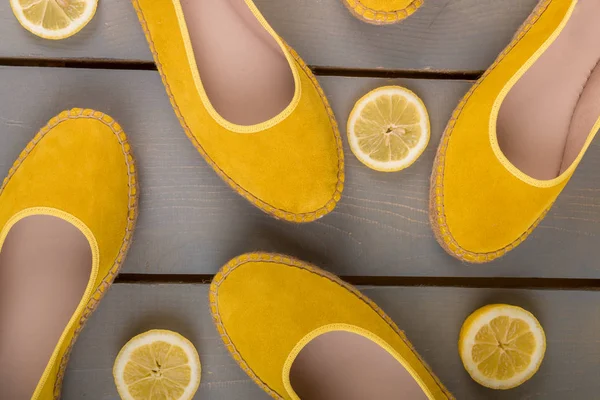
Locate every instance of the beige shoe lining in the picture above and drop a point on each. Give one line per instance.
(343, 365)
(243, 70)
(45, 266)
(547, 116)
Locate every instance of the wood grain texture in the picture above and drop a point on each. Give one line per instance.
(442, 35)
(430, 317)
(191, 222)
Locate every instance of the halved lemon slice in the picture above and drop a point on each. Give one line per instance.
(501, 346)
(388, 128)
(158, 364)
(54, 19)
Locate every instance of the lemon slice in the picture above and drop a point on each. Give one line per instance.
(388, 128)
(158, 364)
(501, 346)
(54, 19)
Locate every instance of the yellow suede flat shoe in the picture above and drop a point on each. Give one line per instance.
(300, 332)
(518, 135)
(382, 12)
(74, 184)
(248, 103)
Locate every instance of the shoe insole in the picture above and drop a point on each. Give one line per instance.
(245, 74)
(45, 266)
(346, 366)
(547, 116)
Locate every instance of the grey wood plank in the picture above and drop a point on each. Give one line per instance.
(431, 318)
(443, 35)
(191, 222)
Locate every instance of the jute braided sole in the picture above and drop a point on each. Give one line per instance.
(132, 214)
(291, 262)
(268, 208)
(371, 16)
(436, 194)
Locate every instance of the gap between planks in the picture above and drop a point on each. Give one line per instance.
(85, 63)
(396, 281)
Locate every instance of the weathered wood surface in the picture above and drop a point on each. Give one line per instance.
(192, 223)
(431, 318)
(443, 35)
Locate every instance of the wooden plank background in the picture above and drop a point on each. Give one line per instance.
(191, 222)
(443, 35)
(430, 317)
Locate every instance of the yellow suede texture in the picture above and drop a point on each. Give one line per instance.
(293, 170)
(80, 163)
(383, 11)
(479, 209)
(264, 304)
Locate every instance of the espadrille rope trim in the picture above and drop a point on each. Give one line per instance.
(372, 16)
(436, 203)
(131, 215)
(268, 208)
(291, 262)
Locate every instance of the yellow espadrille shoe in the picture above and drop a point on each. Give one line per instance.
(381, 12)
(300, 332)
(67, 213)
(517, 137)
(248, 103)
